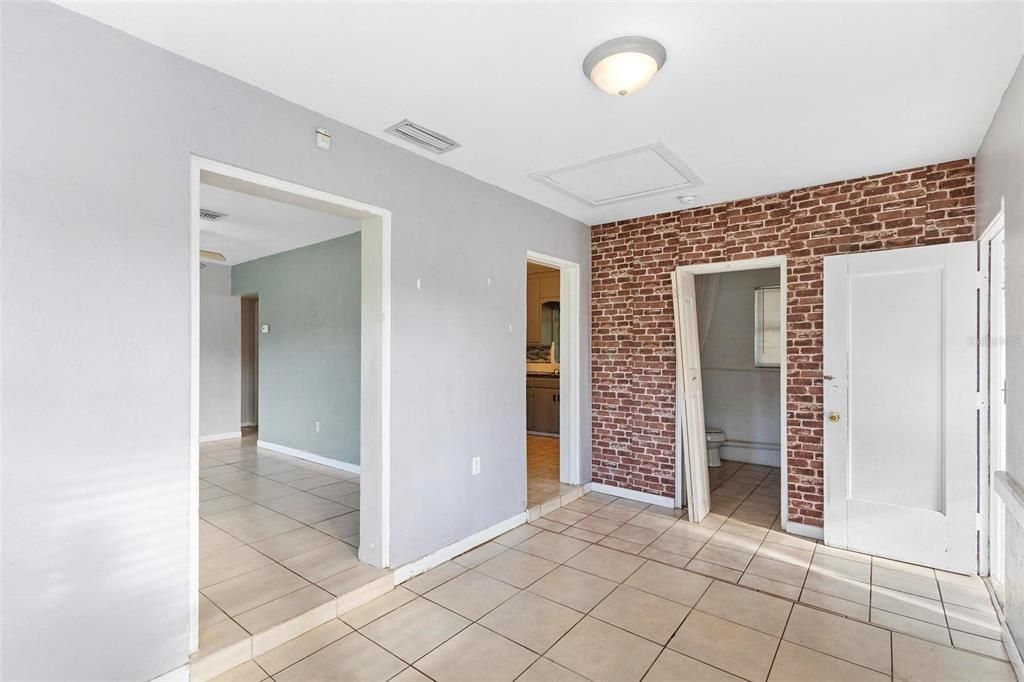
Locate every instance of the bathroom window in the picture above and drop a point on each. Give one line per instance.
(767, 327)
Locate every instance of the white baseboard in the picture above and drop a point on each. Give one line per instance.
(765, 454)
(181, 674)
(403, 573)
(802, 529)
(1012, 652)
(649, 498)
(220, 436)
(308, 456)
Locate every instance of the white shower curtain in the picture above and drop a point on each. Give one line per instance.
(706, 290)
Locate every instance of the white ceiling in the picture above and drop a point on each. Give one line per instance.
(754, 98)
(255, 227)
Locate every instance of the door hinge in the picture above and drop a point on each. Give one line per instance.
(982, 279)
(979, 522)
(981, 401)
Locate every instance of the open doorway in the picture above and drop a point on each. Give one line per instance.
(552, 379)
(731, 442)
(290, 411)
(543, 347)
(250, 364)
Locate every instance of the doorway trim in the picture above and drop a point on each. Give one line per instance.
(737, 266)
(570, 365)
(988, 392)
(375, 371)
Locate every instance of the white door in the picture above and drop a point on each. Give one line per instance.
(901, 404)
(690, 414)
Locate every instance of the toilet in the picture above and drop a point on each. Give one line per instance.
(715, 438)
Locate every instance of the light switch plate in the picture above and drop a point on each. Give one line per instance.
(264, 328)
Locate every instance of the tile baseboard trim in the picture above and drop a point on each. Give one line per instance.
(177, 675)
(649, 498)
(219, 436)
(802, 529)
(308, 456)
(414, 568)
(248, 424)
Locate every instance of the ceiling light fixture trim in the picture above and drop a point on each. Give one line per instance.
(622, 66)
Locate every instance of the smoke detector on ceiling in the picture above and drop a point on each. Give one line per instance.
(211, 216)
(424, 138)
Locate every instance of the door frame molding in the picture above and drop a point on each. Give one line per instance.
(737, 266)
(987, 393)
(570, 377)
(375, 370)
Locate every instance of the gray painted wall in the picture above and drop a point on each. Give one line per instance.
(739, 398)
(309, 362)
(97, 132)
(1000, 178)
(220, 376)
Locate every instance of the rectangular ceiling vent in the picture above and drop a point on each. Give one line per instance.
(426, 138)
(207, 214)
(632, 174)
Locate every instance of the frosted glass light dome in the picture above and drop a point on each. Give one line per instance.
(624, 65)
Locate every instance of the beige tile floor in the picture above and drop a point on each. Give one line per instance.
(278, 545)
(542, 470)
(612, 589)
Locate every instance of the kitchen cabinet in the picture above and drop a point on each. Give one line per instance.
(532, 309)
(550, 285)
(543, 405)
(541, 288)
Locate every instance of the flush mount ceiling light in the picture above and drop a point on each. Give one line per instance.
(624, 65)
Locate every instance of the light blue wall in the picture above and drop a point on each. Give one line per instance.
(309, 361)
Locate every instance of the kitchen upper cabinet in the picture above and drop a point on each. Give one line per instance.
(532, 309)
(541, 288)
(550, 285)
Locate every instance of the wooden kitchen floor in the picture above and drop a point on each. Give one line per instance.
(541, 470)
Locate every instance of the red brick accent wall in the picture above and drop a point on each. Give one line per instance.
(633, 351)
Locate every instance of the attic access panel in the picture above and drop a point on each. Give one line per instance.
(632, 174)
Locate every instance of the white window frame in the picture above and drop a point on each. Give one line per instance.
(759, 360)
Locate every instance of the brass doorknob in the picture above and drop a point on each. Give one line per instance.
(833, 417)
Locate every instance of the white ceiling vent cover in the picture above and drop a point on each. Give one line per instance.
(422, 137)
(631, 174)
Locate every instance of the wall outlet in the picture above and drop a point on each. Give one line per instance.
(264, 328)
(316, 426)
(476, 466)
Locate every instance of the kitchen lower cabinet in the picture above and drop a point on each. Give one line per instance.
(543, 406)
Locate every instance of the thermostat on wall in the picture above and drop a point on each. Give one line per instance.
(264, 329)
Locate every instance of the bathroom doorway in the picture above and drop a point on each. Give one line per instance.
(732, 393)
